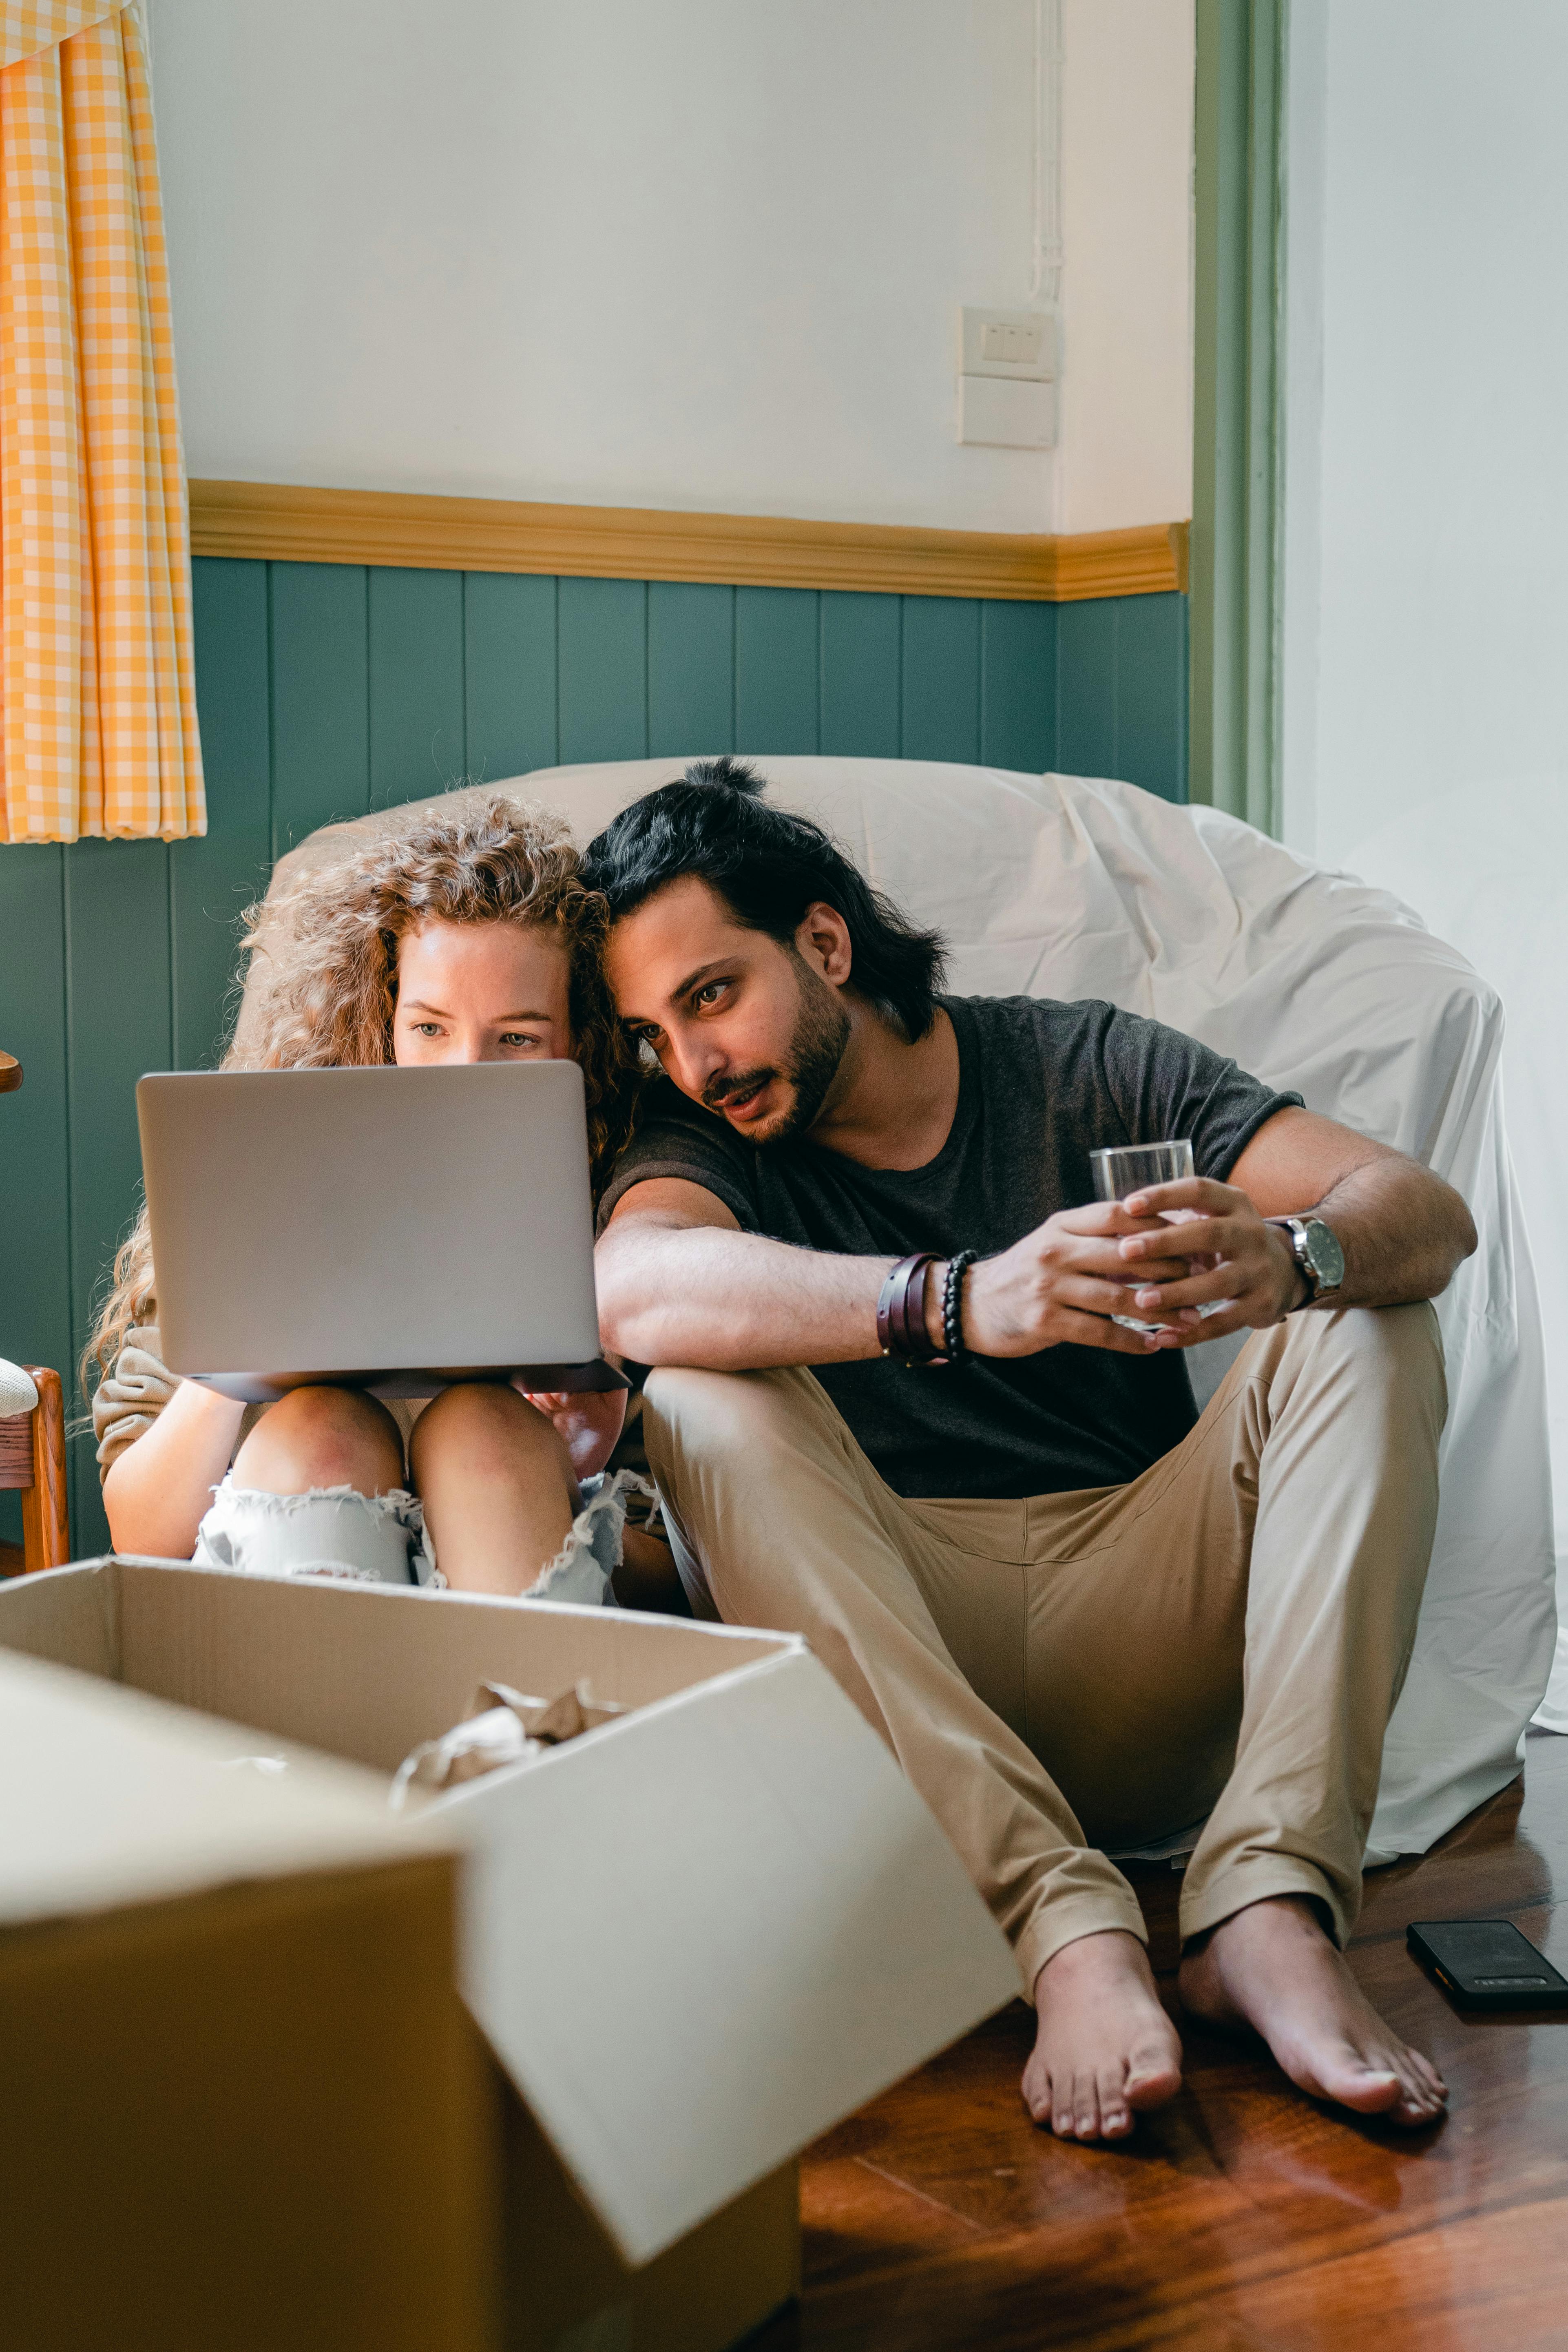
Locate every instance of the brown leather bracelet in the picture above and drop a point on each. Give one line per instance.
(884, 1305)
(900, 1312)
(908, 1315)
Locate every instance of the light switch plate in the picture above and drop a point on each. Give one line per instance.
(1020, 346)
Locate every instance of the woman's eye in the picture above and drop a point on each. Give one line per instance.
(518, 1037)
(427, 1029)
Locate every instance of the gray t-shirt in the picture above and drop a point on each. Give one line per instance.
(1041, 1085)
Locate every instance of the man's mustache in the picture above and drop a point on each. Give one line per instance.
(718, 1091)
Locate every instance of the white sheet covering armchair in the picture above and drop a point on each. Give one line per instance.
(1056, 885)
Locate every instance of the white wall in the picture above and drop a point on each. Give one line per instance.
(1425, 640)
(1127, 148)
(691, 253)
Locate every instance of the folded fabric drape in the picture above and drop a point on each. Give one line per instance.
(98, 717)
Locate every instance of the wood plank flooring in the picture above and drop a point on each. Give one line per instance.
(1244, 2215)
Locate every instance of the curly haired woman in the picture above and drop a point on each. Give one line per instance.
(468, 938)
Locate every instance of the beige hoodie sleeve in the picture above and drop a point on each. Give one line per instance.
(128, 1400)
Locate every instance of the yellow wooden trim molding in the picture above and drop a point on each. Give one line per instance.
(395, 527)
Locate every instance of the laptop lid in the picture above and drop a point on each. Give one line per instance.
(393, 1228)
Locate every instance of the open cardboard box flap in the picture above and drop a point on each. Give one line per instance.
(112, 1799)
(695, 1938)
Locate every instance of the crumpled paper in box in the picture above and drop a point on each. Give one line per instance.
(501, 1727)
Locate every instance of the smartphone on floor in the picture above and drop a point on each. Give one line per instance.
(1486, 1964)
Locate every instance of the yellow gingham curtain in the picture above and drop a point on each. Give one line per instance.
(98, 712)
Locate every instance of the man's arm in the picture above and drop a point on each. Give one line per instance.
(680, 1283)
(1401, 1229)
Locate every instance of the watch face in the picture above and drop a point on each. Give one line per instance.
(1323, 1254)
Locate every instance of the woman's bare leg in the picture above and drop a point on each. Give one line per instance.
(322, 1437)
(497, 1486)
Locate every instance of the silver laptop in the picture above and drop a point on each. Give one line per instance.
(389, 1229)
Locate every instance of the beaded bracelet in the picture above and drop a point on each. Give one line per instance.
(953, 1306)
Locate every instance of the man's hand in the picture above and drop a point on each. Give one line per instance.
(588, 1422)
(1234, 1258)
(1067, 1278)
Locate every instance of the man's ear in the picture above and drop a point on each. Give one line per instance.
(822, 940)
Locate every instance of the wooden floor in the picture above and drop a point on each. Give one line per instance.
(1244, 2214)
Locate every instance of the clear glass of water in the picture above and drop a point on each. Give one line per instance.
(1129, 1168)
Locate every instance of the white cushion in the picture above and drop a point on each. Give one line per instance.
(1058, 886)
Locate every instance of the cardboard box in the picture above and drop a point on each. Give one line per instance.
(694, 1938)
(230, 2041)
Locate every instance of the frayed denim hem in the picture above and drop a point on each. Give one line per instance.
(335, 1531)
(581, 1569)
(331, 1531)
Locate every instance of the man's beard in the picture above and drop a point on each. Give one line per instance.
(816, 1051)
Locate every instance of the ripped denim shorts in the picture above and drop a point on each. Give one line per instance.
(383, 1539)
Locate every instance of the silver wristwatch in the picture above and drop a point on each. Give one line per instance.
(1318, 1255)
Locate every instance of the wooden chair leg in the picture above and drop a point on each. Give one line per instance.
(46, 1524)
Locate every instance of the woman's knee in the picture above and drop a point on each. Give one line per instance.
(317, 1437)
(489, 1429)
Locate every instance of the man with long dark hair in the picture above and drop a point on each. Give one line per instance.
(892, 1411)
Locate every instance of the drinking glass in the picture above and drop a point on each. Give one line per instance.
(1127, 1168)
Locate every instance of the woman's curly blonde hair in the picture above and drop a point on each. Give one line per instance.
(322, 981)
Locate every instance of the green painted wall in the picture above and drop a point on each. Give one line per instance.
(326, 689)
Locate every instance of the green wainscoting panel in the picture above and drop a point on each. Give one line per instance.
(942, 677)
(1122, 691)
(602, 669)
(319, 666)
(414, 631)
(211, 879)
(1086, 724)
(1018, 684)
(862, 657)
(1150, 694)
(778, 669)
(690, 669)
(120, 1022)
(34, 1134)
(508, 674)
(327, 688)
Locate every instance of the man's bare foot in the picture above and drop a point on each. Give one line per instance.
(1105, 2050)
(1272, 1967)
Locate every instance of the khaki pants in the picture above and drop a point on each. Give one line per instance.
(1225, 1634)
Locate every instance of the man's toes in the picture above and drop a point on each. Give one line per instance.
(1354, 2081)
(1115, 2110)
(1086, 2108)
(1065, 2107)
(1427, 2076)
(1037, 2090)
(1425, 2092)
(1153, 2077)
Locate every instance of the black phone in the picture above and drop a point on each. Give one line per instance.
(1486, 1964)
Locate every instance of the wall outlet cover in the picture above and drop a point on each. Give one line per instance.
(1002, 416)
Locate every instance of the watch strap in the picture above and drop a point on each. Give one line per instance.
(1296, 1229)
